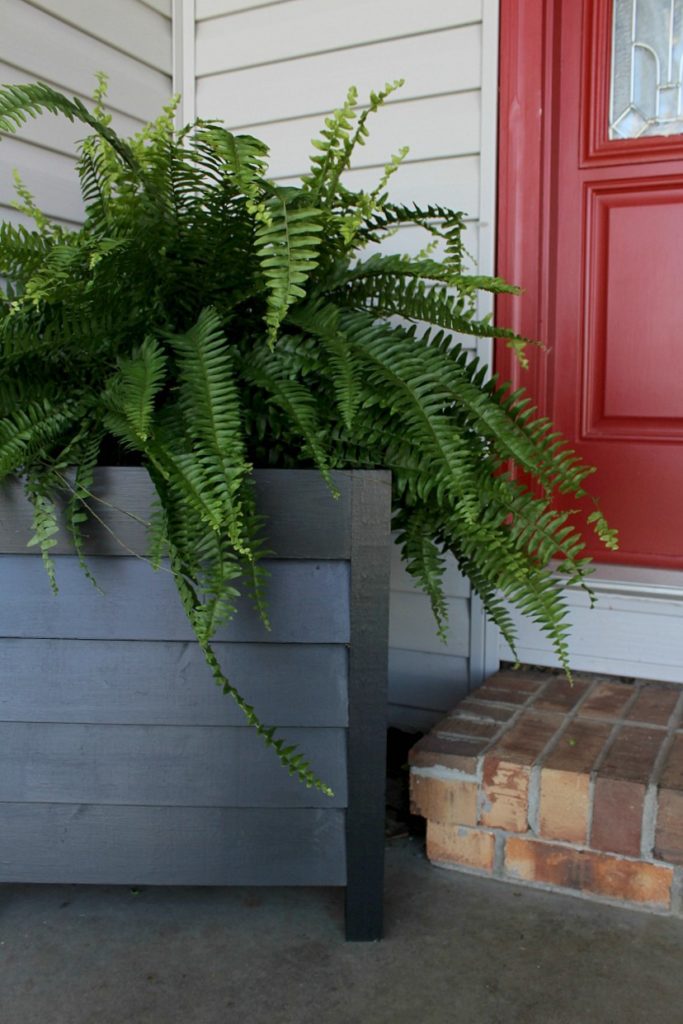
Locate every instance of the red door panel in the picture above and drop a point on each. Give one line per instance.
(601, 272)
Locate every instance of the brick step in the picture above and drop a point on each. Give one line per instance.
(576, 786)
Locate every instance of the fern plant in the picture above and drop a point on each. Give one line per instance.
(205, 320)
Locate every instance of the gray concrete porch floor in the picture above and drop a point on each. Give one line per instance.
(457, 949)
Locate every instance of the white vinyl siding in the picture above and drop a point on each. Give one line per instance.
(634, 630)
(64, 43)
(275, 70)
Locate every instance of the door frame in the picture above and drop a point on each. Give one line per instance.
(528, 91)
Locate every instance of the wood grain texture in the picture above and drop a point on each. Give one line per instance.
(302, 518)
(65, 843)
(186, 766)
(161, 683)
(370, 568)
(308, 602)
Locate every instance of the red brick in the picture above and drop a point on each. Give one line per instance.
(563, 807)
(579, 747)
(436, 751)
(481, 709)
(500, 695)
(452, 801)
(460, 725)
(519, 679)
(585, 871)
(633, 753)
(506, 795)
(654, 705)
(467, 847)
(618, 816)
(528, 736)
(669, 831)
(672, 773)
(608, 700)
(561, 695)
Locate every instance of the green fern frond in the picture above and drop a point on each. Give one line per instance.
(287, 244)
(44, 528)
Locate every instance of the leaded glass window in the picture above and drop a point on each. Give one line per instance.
(647, 67)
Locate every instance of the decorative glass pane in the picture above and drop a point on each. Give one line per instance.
(647, 68)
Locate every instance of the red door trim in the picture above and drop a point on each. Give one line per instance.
(524, 166)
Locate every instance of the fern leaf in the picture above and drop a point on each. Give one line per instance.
(287, 245)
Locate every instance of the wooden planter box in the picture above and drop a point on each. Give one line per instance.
(120, 760)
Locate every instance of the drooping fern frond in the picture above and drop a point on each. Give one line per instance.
(205, 320)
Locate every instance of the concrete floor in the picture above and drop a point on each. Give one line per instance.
(457, 949)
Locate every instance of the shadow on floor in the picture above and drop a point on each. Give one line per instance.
(457, 949)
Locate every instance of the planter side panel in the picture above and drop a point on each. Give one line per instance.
(75, 843)
(120, 762)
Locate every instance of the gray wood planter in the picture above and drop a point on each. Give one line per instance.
(122, 763)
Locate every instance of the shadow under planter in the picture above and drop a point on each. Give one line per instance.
(120, 760)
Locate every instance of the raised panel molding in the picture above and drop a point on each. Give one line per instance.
(624, 217)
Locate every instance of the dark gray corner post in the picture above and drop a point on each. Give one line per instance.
(370, 557)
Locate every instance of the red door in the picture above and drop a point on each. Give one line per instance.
(591, 226)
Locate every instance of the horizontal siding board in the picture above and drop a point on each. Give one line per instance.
(184, 766)
(308, 602)
(440, 126)
(302, 518)
(51, 177)
(454, 583)
(162, 683)
(13, 216)
(410, 719)
(262, 35)
(164, 7)
(128, 25)
(171, 845)
(55, 132)
(451, 182)
(284, 90)
(46, 48)
(622, 635)
(218, 8)
(430, 681)
(412, 626)
(411, 240)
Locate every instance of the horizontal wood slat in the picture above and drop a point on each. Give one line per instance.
(308, 603)
(185, 766)
(162, 683)
(171, 845)
(303, 519)
(301, 27)
(284, 90)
